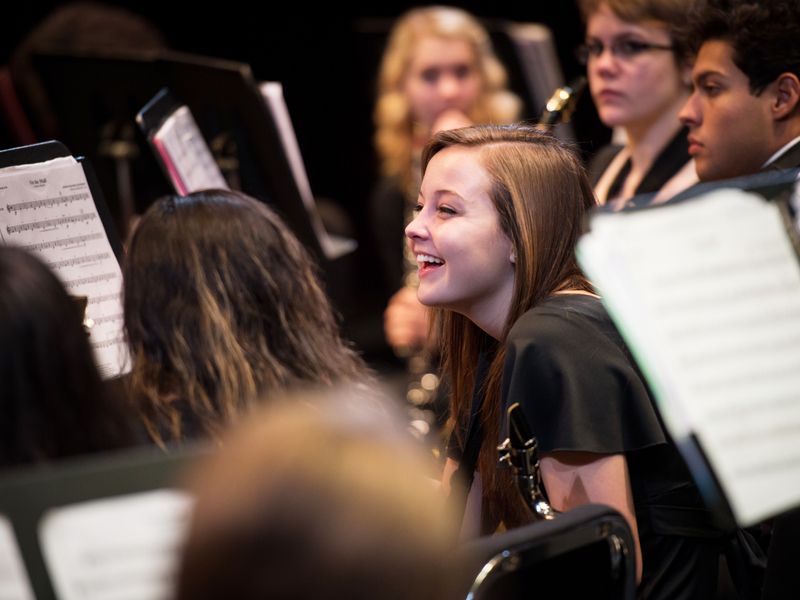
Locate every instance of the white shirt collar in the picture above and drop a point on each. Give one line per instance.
(781, 152)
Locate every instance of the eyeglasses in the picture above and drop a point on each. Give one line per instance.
(621, 49)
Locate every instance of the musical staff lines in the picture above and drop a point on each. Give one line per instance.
(108, 319)
(100, 277)
(104, 298)
(47, 202)
(65, 242)
(48, 208)
(109, 343)
(80, 260)
(51, 223)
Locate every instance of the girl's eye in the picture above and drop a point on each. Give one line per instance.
(430, 75)
(446, 210)
(417, 208)
(462, 71)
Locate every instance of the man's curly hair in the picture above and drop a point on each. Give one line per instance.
(762, 33)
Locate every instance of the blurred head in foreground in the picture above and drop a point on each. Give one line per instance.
(328, 499)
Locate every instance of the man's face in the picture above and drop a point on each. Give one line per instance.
(730, 129)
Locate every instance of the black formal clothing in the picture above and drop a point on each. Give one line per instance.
(788, 160)
(581, 391)
(670, 162)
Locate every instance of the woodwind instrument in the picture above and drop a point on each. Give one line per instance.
(560, 106)
(521, 452)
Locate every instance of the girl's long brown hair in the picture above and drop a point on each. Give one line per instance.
(542, 195)
(222, 307)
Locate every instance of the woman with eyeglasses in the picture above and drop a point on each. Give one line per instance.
(639, 77)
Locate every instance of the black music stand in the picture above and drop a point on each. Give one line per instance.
(27, 494)
(586, 552)
(92, 94)
(772, 185)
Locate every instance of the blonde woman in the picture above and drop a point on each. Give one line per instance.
(439, 71)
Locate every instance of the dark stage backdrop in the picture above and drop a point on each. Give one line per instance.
(327, 60)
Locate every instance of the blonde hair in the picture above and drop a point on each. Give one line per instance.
(393, 119)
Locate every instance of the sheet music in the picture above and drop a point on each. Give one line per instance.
(186, 155)
(707, 293)
(14, 582)
(333, 246)
(48, 209)
(123, 548)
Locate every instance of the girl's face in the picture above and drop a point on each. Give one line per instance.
(632, 82)
(442, 75)
(465, 259)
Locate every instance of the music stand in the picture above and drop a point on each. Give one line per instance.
(28, 495)
(223, 96)
(585, 552)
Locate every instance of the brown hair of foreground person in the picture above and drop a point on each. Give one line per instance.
(328, 500)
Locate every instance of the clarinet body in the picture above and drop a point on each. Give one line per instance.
(520, 451)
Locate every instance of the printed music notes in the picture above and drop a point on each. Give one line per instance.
(185, 154)
(707, 295)
(125, 547)
(48, 209)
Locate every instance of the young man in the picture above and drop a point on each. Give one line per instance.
(744, 113)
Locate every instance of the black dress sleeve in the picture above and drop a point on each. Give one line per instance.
(578, 388)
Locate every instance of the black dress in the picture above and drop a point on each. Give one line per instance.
(581, 391)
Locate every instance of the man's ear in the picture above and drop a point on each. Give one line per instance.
(787, 87)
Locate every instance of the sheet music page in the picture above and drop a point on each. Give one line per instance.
(707, 294)
(186, 155)
(48, 209)
(333, 246)
(14, 582)
(123, 548)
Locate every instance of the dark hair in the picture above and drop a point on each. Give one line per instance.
(53, 403)
(541, 194)
(222, 306)
(319, 498)
(670, 13)
(762, 34)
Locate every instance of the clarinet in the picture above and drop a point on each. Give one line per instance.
(521, 452)
(560, 106)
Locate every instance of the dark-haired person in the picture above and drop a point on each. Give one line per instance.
(744, 117)
(53, 403)
(638, 69)
(744, 113)
(498, 214)
(222, 307)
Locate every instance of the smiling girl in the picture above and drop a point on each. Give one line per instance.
(498, 215)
